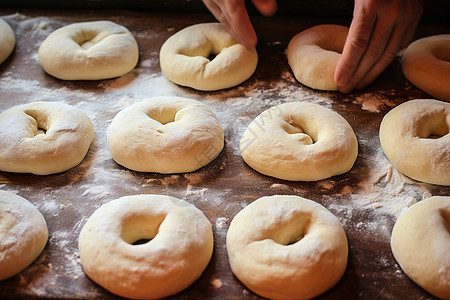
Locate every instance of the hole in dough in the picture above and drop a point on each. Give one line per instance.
(291, 128)
(211, 56)
(294, 231)
(41, 126)
(442, 53)
(446, 219)
(163, 116)
(140, 229)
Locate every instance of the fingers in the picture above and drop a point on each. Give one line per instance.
(266, 7)
(375, 36)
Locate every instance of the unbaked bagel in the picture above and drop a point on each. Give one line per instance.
(415, 137)
(180, 246)
(7, 40)
(420, 243)
(89, 51)
(287, 247)
(43, 138)
(23, 234)
(299, 141)
(165, 135)
(185, 58)
(314, 53)
(426, 64)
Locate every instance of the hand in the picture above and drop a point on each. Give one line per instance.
(233, 15)
(379, 29)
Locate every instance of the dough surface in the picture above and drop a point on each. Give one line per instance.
(43, 138)
(23, 234)
(415, 137)
(299, 141)
(165, 135)
(426, 64)
(7, 40)
(287, 247)
(420, 243)
(185, 58)
(314, 53)
(180, 246)
(89, 51)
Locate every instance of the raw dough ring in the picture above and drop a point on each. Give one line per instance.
(426, 64)
(287, 247)
(185, 58)
(314, 53)
(420, 243)
(43, 138)
(7, 40)
(89, 51)
(408, 138)
(180, 246)
(165, 135)
(299, 141)
(23, 234)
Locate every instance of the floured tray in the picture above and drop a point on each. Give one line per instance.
(367, 200)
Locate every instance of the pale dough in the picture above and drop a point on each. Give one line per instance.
(314, 53)
(23, 234)
(7, 40)
(180, 246)
(287, 247)
(420, 243)
(89, 51)
(299, 141)
(43, 138)
(165, 135)
(185, 58)
(415, 137)
(426, 64)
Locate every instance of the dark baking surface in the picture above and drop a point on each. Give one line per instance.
(224, 186)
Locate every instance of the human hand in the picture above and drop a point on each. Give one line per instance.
(233, 15)
(379, 29)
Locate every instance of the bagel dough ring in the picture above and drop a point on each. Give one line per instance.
(420, 243)
(165, 135)
(180, 246)
(7, 40)
(415, 138)
(314, 53)
(299, 141)
(185, 58)
(426, 64)
(23, 234)
(89, 51)
(287, 247)
(43, 138)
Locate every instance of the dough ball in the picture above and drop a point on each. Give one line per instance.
(7, 40)
(43, 138)
(165, 135)
(207, 58)
(287, 247)
(89, 51)
(426, 64)
(415, 138)
(299, 141)
(420, 243)
(180, 246)
(23, 234)
(314, 53)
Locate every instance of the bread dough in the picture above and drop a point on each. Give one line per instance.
(43, 138)
(287, 247)
(299, 141)
(165, 135)
(426, 64)
(180, 246)
(23, 234)
(89, 51)
(185, 58)
(415, 137)
(420, 243)
(7, 40)
(314, 53)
